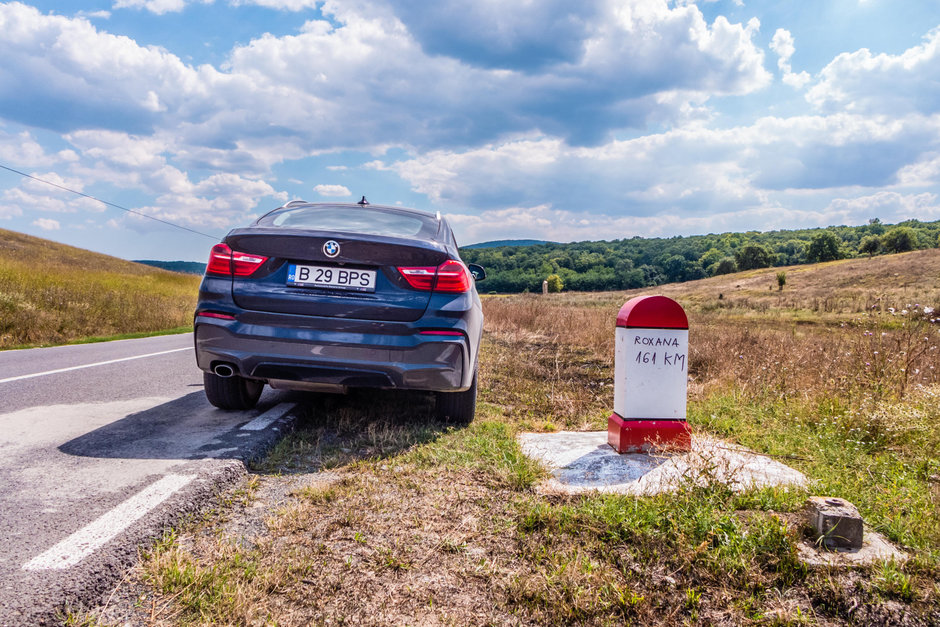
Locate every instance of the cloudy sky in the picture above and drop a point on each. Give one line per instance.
(551, 119)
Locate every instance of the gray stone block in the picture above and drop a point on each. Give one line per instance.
(836, 522)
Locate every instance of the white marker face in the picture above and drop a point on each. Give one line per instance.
(651, 370)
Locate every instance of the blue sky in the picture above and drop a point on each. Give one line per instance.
(547, 119)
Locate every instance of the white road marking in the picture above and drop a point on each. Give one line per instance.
(100, 363)
(87, 540)
(264, 420)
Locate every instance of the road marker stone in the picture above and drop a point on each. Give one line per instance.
(651, 370)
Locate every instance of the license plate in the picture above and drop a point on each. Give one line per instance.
(331, 277)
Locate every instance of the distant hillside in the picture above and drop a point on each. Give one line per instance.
(844, 286)
(637, 262)
(186, 267)
(51, 293)
(508, 242)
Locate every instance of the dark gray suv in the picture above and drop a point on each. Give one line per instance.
(326, 297)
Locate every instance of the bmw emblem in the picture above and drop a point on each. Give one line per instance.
(331, 249)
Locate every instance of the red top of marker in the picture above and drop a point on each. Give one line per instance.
(652, 312)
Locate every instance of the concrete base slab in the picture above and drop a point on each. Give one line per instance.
(584, 462)
(875, 548)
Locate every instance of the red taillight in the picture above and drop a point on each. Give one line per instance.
(215, 314)
(224, 261)
(419, 278)
(246, 264)
(451, 276)
(220, 260)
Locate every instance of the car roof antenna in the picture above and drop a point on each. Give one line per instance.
(363, 202)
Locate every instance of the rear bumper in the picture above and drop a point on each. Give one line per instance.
(402, 360)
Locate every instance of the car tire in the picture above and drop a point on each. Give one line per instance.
(457, 407)
(233, 392)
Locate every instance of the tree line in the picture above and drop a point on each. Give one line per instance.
(641, 262)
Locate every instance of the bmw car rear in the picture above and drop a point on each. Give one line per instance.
(328, 297)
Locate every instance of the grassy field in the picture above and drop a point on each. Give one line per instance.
(372, 513)
(54, 294)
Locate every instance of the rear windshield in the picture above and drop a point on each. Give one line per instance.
(351, 220)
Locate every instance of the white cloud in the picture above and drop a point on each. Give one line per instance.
(862, 82)
(37, 197)
(888, 206)
(8, 211)
(546, 222)
(47, 224)
(120, 149)
(329, 88)
(283, 5)
(103, 15)
(783, 45)
(138, 163)
(52, 182)
(797, 81)
(160, 7)
(332, 190)
(128, 162)
(141, 163)
(218, 201)
(21, 150)
(63, 74)
(154, 6)
(924, 172)
(684, 172)
(453, 87)
(639, 176)
(737, 3)
(455, 98)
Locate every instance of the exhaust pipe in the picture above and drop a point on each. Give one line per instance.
(224, 370)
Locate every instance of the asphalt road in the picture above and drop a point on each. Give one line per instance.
(102, 447)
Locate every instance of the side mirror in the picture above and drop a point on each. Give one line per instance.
(477, 272)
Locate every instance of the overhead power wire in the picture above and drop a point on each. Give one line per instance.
(111, 204)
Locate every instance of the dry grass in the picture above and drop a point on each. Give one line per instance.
(833, 289)
(424, 524)
(370, 552)
(51, 294)
(833, 330)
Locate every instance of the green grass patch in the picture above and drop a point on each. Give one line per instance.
(205, 593)
(378, 427)
(651, 548)
(882, 456)
(486, 446)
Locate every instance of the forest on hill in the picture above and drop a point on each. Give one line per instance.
(640, 262)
